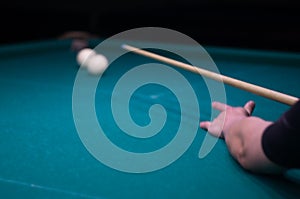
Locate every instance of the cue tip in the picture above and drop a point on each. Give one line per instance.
(124, 46)
(128, 47)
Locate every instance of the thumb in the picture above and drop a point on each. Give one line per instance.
(249, 107)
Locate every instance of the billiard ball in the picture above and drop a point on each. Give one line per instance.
(96, 64)
(83, 55)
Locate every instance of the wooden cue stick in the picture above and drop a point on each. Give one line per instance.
(268, 93)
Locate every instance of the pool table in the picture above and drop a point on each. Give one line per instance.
(42, 154)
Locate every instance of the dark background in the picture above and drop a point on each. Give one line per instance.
(265, 24)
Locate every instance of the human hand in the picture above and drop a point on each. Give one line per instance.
(242, 133)
(228, 116)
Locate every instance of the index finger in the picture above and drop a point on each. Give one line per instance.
(220, 106)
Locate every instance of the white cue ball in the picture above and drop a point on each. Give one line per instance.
(97, 64)
(82, 56)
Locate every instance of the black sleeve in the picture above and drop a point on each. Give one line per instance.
(281, 140)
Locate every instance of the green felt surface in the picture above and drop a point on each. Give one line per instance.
(42, 156)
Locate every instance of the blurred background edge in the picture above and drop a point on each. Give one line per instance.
(270, 25)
